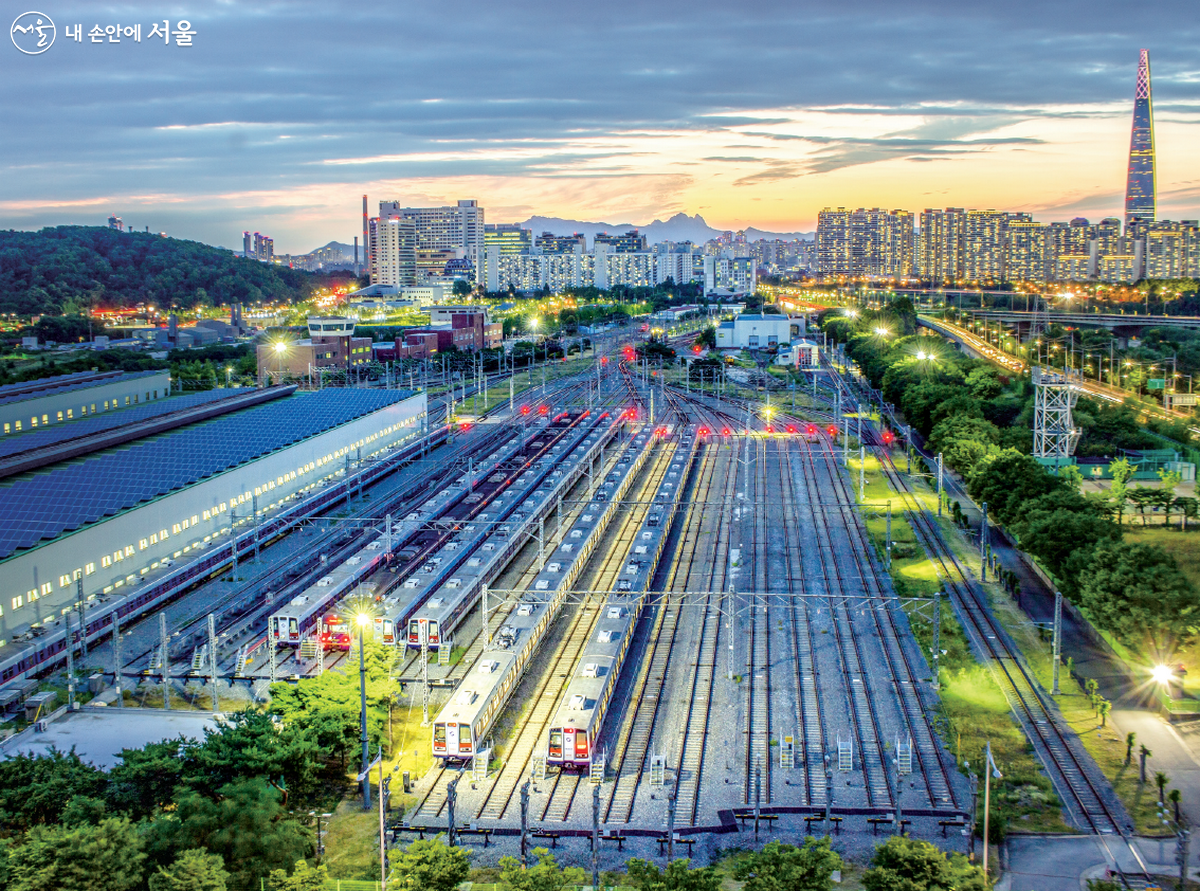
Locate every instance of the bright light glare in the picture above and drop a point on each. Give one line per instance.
(1162, 674)
(881, 331)
(363, 619)
(280, 347)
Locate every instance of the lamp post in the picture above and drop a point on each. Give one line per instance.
(280, 349)
(228, 375)
(363, 621)
(990, 770)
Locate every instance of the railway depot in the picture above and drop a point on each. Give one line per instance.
(118, 519)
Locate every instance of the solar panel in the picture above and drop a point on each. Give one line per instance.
(56, 389)
(36, 439)
(108, 482)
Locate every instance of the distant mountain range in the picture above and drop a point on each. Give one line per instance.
(680, 227)
(347, 250)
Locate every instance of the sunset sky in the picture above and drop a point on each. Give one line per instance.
(281, 115)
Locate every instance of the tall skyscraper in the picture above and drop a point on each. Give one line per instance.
(457, 228)
(1140, 190)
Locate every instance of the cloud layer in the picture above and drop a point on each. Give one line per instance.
(282, 114)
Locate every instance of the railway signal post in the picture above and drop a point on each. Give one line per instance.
(1057, 637)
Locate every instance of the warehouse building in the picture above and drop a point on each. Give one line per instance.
(112, 517)
(57, 400)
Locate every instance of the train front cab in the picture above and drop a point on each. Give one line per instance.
(453, 741)
(568, 747)
(414, 632)
(285, 631)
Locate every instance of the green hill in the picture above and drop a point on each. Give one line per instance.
(64, 269)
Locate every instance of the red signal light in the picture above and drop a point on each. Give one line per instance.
(524, 409)
(812, 430)
(791, 428)
(832, 430)
(770, 429)
(604, 360)
(888, 437)
(465, 425)
(725, 431)
(703, 431)
(696, 350)
(543, 409)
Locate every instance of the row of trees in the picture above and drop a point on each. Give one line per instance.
(71, 269)
(981, 422)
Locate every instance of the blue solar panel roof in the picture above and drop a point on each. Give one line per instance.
(18, 443)
(63, 499)
(71, 382)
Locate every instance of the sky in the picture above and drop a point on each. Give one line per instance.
(280, 115)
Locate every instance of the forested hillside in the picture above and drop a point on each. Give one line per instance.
(66, 269)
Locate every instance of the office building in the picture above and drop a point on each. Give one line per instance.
(510, 238)
(115, 222)
(628, 243)
(1140, 189)
(330, 346)
(456, 227)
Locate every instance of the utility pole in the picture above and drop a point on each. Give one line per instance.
(233, 541)
(525, 825)
(937, 637)
(451, 801)
(862, 473)
(382, 825)
(983, 544)
(939, 468)
(596, 836)
(487, 631)
(70, 664)
(116, 641)
(362, 690)
(166, 660)
(424, 632)
(254, 507)
(212, 659)
(671, 801)
(888, 535)
(82, 617)
(1057, 637)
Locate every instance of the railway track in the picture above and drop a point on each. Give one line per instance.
(530, 736)
(632, 746)
(808, 697)
(758, 766)
(1084, 792)
(866, 741)
(928, 755)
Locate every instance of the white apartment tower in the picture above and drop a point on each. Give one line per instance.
(456, 228)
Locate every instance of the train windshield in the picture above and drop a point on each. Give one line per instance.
(556, 743)
(439, 736)
(464, 737)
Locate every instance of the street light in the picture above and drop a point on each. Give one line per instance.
(363, 621)
(280, 349)
(990, 770)
(228, 375)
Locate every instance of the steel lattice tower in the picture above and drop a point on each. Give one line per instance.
(1054, 433)
(1140, 192)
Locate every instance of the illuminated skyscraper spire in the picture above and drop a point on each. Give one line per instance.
(1140, 190)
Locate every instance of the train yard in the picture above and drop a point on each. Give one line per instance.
(623, 608)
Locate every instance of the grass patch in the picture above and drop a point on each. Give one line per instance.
(352, 842)
(973, 711)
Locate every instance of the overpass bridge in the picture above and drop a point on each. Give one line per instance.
(1122, 324)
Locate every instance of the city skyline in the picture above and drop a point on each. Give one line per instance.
(647, 116)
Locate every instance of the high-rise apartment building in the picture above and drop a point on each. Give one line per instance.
(833, 242)
(455, 228)
(393, 253)
(1025, 252)
(1140, 189)
(867, 242)
(247, 244)
(982, 240)
(549, 243)
(630, 242)
(115, 222)
(510, 238)
(941, 244)
(258, 247)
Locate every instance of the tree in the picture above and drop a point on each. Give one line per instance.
(904, 864)
(303, 877)
(105, 857)
(645, 876)
(780, 867)
(145, 779)
(1130, 739)
(36, 789)
(251, 744)
(1059, 525)
(1121, 470)
(461, 287)
(193, 870)
(246, 825)
(1008, 480)
(1105, 711)
(1138, 593)
(546, 875)
(431, 864)
(1161, 780)
(1175, 797)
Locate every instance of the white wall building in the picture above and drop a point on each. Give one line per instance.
(759, 331)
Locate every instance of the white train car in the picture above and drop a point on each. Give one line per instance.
(288, 626)
(575, 728)
(464, 722)
(434, 600)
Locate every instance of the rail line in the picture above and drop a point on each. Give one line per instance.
(929, 756)
(758, 680)
(632, 745)
(1071, 770)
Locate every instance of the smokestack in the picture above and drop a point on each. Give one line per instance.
(366, 241)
